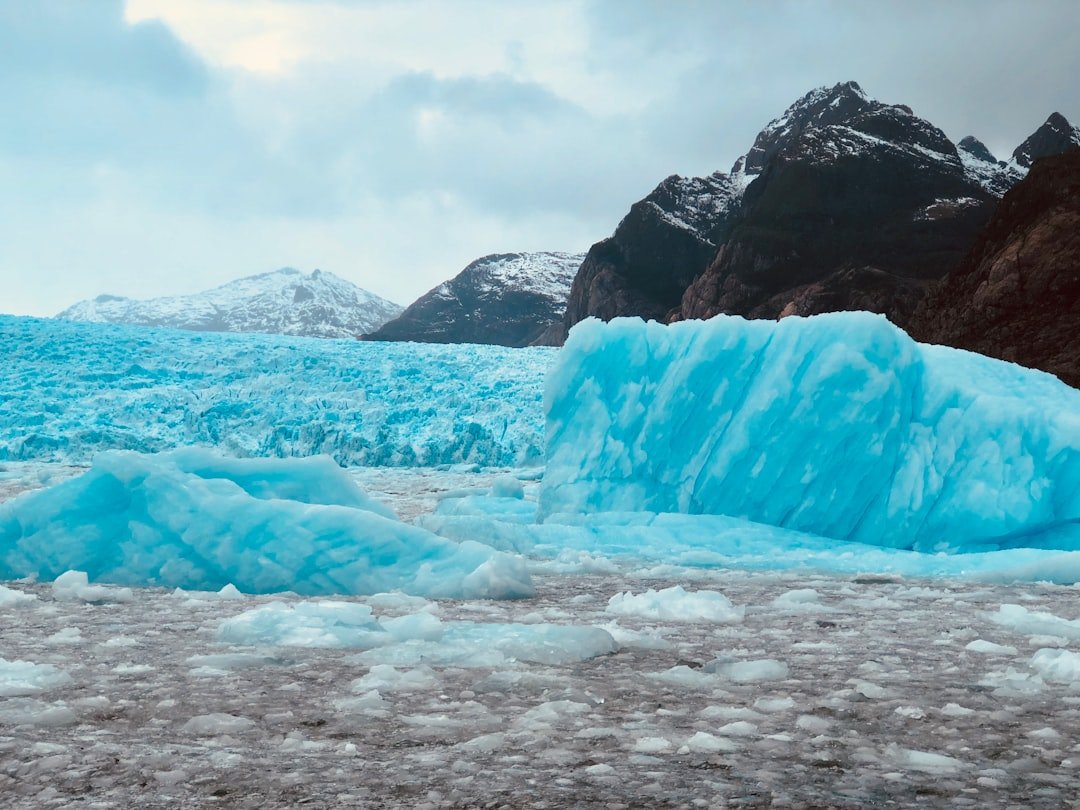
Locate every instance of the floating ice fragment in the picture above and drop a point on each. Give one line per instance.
(704, 743)
(385, 678)
(216, 724)
(652, 745)
(677, 604)
(989, 648)
(73, 586)
(9, 597)
(765, 669)
(1028, 622)
(19, 678)
(927, 761)
(1060, 666)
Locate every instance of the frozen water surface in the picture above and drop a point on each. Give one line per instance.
(832, 690)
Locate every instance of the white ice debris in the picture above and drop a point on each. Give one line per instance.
(1029, 622)
(18, 678)
(73, 586)
(676, 604)
(9, 597)
(1060, 666)
(216, 724)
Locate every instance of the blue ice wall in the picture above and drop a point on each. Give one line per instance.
(838, 425)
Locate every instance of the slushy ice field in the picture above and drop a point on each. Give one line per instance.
(680, 576)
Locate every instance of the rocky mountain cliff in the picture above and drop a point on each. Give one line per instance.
(286, 301)
(843, 202)
(507, 299)
(1016, 295)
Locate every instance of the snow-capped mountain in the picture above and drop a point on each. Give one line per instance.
(842, 202)
(286, 301)
(506, 299)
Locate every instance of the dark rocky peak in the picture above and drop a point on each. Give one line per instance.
(1055, 136)
(818, 108)
(898, 125)
(977, 149)
(698, 204)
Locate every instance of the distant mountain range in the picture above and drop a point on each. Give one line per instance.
(842, 203)
(286, 301)
(507, 299)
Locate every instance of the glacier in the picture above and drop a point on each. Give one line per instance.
(74, 389)
(838, 426)
(192, 520)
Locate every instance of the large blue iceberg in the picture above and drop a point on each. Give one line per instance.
(838, 425)
(194, 520)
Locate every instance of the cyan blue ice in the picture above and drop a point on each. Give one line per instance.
(190, 519)
(838, 425)
(73, 389)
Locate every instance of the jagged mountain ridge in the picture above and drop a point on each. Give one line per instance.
(506, 299)
(1016, 295)
(285, 301)
(843, 202)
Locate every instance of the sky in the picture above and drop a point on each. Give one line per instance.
(156, 147)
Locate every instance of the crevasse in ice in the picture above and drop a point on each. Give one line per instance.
(838, 425)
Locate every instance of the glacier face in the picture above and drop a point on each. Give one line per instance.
(285, 301)
(194, 520)
(838, 425)
(74, 389)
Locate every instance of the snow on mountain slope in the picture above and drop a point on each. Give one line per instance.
(285, 302)
(74, 389)
(506, 299)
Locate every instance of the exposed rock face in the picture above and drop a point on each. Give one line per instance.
(858, 205)
(508, 299)
(1057, 135)
(286, 301)
(1016, 295)
(841, 203)
(665, 241)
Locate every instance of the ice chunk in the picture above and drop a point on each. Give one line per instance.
(19, 678)
(73, 586)
(325, 624)
(765, 669)
(704, 743)
(927, 761)
(797, 599)
(838, 425)
(1059, 666)
(989, 648)
(216, 724)
(469, 644)
(9, 597)
(677, 604)
(1033, 622)
(191, 519)
(385, 678)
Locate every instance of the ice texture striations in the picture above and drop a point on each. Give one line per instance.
(193, 520)
(73, 389)
(838, 425)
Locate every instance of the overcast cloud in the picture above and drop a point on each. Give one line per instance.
(154, 147)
